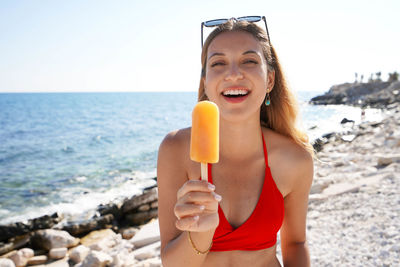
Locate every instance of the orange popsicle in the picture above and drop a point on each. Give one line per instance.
(204, 141)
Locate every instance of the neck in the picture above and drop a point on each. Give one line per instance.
(240, 140)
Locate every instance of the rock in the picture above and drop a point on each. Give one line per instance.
(148, 251)
(341, 188)
(50, 238)
(154, 205)
(348, 138)
(79, 253)
(111, 208)
(75, 228)
(59, 263)
(136, 201)
(388, 159)
(318, 188)
(100, 239)
(37, 260)
(18, 258)
(15, 243)
(57, 253)
(6, 263)
(96, 259)
(123, 258)
(12, 230)
(148, 234)
(395, 248)
(144, 207)
(140, 218)
(319, 143)
(375, 94)
(19, 228)
(153, 262)
(27, 252)
(5, 248)
(128, 233)
(345, 120)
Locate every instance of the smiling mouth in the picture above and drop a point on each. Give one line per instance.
(235, 93)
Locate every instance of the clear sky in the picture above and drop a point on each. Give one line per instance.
(92, 46)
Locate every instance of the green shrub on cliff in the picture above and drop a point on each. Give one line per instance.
(393, 77)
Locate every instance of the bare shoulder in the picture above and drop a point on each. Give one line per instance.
(291, 163)
(176, 141)
(173, 156)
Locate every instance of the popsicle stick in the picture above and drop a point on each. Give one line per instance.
(204, 172)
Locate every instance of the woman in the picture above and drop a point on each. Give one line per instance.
(260, 184)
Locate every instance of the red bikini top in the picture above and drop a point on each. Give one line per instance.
(260, 229)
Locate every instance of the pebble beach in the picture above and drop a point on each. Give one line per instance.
(353, 217)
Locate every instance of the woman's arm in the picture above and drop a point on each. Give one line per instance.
(293, 231)
(178, 197)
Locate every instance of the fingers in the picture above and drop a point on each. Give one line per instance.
(199, 197)
(185, 224)
(184, 210)
(195, 185)
(197, 203)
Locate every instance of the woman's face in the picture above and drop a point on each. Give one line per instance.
(236, 75)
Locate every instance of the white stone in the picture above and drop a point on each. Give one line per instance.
(27, 252)
(149, 251)
(395, 248)
(340, 188)
(79, 253)
(51, 238)
(97, 259)
(388, 159)
(59, 263)
(57, 253)
(153, 262)
(148, 234)
(6, 263)
(37, 260)
(123, 258)
(18, 258)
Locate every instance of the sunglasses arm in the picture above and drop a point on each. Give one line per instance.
(202, 24)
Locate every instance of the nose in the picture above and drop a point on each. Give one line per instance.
(233, 73)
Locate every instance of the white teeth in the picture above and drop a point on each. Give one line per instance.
(235, 92)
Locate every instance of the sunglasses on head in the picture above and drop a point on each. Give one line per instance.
(217, 22)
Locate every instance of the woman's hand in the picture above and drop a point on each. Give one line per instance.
(197, 206)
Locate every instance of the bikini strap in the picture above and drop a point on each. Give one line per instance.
(265, 150)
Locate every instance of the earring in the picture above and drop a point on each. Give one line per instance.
(267, 99)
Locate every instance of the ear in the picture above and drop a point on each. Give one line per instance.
(270, 80)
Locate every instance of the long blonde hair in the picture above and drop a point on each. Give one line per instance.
(282, 113)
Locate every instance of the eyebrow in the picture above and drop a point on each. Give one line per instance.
(250, 52)
(222, 54)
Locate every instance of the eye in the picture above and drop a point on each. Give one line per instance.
(217, 63)
(250, 61)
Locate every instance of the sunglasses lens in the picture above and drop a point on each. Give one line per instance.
(215, 22)
(250, 18)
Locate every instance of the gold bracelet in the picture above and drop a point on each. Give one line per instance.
(194, 247)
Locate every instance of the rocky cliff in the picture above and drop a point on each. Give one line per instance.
(374, 94)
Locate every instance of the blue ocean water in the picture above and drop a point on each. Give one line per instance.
(69, 152)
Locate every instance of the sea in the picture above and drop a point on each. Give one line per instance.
(70, 152)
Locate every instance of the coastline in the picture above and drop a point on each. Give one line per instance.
(353, 206)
